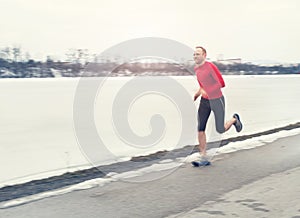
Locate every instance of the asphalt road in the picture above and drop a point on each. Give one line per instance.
(190, 192)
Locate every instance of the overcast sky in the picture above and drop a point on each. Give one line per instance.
(249, 29)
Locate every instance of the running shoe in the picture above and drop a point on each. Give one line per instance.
(203, 161)
(238, 124)
(200, 163)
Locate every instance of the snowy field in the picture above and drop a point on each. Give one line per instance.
(44, 133)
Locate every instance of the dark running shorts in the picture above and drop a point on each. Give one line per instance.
(206, 106)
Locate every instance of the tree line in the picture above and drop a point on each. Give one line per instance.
(14, 63)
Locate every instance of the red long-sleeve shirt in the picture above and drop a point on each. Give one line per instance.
(210, 79)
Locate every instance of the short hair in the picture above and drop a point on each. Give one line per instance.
(203, 49)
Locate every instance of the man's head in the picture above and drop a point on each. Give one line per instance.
(199, 55)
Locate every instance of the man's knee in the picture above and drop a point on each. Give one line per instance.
(220, 129)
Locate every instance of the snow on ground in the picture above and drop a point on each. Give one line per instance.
(38, 138)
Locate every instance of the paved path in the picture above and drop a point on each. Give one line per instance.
(277, 195)
(262, 182)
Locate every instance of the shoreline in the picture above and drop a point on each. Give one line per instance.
(155, 76)
(187, 190)
(33, 187)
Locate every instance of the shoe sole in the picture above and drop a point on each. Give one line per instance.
(200, 164)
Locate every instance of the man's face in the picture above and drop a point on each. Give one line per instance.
(199, 56)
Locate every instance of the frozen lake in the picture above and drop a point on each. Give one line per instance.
(50, 126)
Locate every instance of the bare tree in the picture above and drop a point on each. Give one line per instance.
(16, 51)
(77, 56)
(6, 53)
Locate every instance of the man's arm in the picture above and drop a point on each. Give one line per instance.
(216, 74)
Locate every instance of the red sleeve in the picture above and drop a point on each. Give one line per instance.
(217, 75)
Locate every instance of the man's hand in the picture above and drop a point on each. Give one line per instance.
(200, 92)
(203, 92)
(196, 96)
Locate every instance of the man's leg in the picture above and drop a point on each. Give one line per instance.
(203, 115)
(202, 143)
(229, 123)
(218, 107)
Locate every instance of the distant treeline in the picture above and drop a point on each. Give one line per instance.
(252, 69)
(50, 68)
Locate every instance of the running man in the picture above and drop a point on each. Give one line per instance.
(211, 81)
